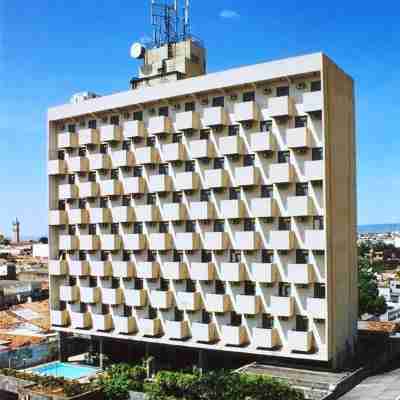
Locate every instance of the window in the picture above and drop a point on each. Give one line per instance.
(236, 319)
(219, 163)
(126, 256)
(163, 227)
(205, 317)
(114, 229)
(104, 148)
(178, 314)
(266, 126)
(205, 195)
(152, 313)
(301, 323)
(177, 197)
(191, 106)
(104, 256)
(190, 286)
(137, 171)
(151, 141)
(319, 291)
(284, 224)
(126, 201)
(92, 229)
(138, 228)
(82, 151)
(249, 225)
(300, 122)
(151, 198)
(163, 111)
(317, 153)
(283, 157)
(82, 123)
(114, 174)
(82, 256)
(219, 287)
(206, 256)
(219, 225)
(248, 160)
(190, 226)
(284, 289)
(92, 124)
(151, 256)
(218, 101)
(177, 256)
(163, 169)
(233, 130)
(103, 202)
(249, 288)
(282, 91)
(315, 86)
(267, 256)
(204, 134)
(71, 128)
(318, 222)
(190, 166)
(82, 204)
(126, 145)
(138, 116)
(138, 284)
(267, 191)
(235, 256)
(92, 176)
(71, 179)
(126, 115)
(301, 256)
(177, 138)
(164, 284)
(267, 322)
(301, 189)
(249, 96)
(114, 120)
(234, 193)
(61, 155)
(61, 205)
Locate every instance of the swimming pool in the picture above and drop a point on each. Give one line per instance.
(65, 370)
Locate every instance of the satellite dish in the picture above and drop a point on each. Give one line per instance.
(137, 50)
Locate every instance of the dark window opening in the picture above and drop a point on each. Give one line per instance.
(248, 160)
(317, 153)
(284, 224)
(267, 256)
(177, 197)
(151, 256)
(137, 172)
(190, 226)
(219, 287)
(218, 101)
(266, 126)
(301, 189)
(163, 111)
(151, 198)
(320, 291)
(283, 157)
(163, 227)
(300, 122)
(206, 256)
(163, 169)
(190, 166)
(205, 195)
(235, 256)
(191, 106)
(219, 225)
(282, 91)
(204, 134)
(233, 130)
(301, 323)
(219, 163)
(114, 120)
(315, 86)
(284, 289)
(249, 96)
(249, 225)
(138, 116)
(301, 256)
(267, 191)
(92, 124)
(234, 193)
(236, 319)
(249, 288)
(267, 322)
(318, 222)
(138, 228)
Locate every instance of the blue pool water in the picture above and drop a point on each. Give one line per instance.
(65, 370)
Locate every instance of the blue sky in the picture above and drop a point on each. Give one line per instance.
(52, 49)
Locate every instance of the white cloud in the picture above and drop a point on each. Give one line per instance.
(229, 14)
(145, 39)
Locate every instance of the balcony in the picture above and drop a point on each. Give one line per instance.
(174, 152)
(79, 268)
(202, 271)
(101, 269)
(298, 138)
(249, 305)
(59, 317)
(216, 178)
(215, 116)
(100, 216)
(58, 268)
(160, 183)
(247, 176)
(88, 189)
(281, 107)
(57, 167)
(150, 327)
(78, 216)
(231, 145)
(159, 125)
(147, 155)
(262, 141)
(175, 270)
(187, 241)
(301, 274)
(315, 239)
(264, 207)
(189, 301)
(264, 272)
(78, 164)
(123, 214)
(247, 111)
(147, 213)
(282, 240)
(233, 209)
(134, 129)
(90, 295)
(134, 241)
(174, 212)
(88, 136)
(300, 206)
(204, 332)
(57, 217)
(68, 242)
(265, 338)
(312, 102)
(160, 241)
(67, 192)
(112, 296)
(67, 140)
(110, 133)
(233, 272)
(102, 322)
(247, 240)
(177, 329)
(148, 270)
(110, 187)
(281, 173)
(123, 269)
(135, 297)
(125, 325)
(81, 320)
(314, 170)
(100, 162)
(187, 181)
(219, 303)
(111, 242)
(134, 185)
(300, 341)
(161, 299)
(202, 148)
(69, 293)
(216, 240)
(122, 159)
(234, 335)
(189, 120)
(89, 242)
(282, 306)
(316, 308)
(202, 210)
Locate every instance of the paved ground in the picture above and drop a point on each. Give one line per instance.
(385, 386)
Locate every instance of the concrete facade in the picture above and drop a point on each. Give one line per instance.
(222, 214)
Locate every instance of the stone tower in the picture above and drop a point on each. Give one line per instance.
(16, 231)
